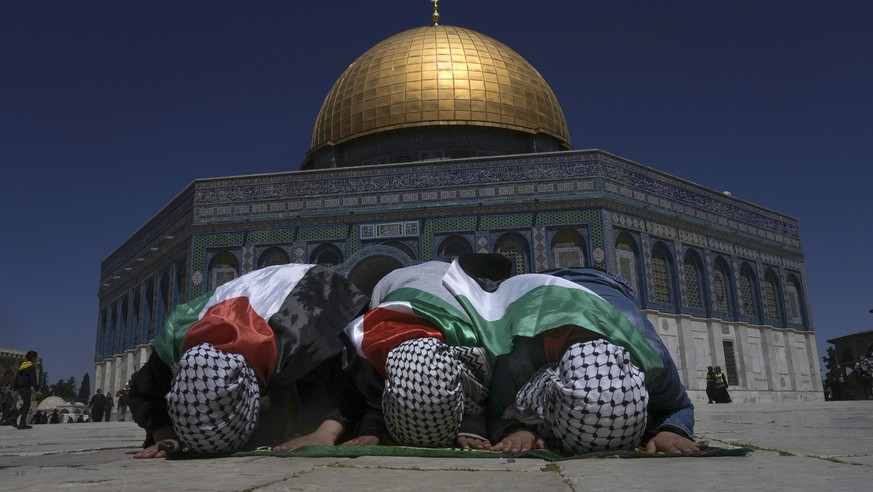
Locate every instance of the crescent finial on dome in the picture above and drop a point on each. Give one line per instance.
(435, 17)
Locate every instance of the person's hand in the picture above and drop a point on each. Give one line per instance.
(467, 442)
(670, 442)
(326, 435)
(312, 439)
(362, 441)
(519, 440)
(155, 451)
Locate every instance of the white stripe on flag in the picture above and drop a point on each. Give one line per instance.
(355, 329)
(266, 288)
(492, 306)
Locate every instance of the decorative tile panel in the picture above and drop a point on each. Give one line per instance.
(692, 238)
(598, 255)
(540, 249)
(389, 230)
(483, 244)
(247, 253)
(660, 230)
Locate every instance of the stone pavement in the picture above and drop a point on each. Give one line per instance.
(799, 446)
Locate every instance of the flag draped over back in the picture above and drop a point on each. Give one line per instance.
(267, 316)
(529, 304)
(442, 301)
(407, 304)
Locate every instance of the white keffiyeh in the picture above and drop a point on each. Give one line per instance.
(429, 386)
(594, 399)
(214, 400)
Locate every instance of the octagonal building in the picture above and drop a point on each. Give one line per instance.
(440, 141)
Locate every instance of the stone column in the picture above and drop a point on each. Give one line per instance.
(129, 367)
(98, 376)
(108, 371)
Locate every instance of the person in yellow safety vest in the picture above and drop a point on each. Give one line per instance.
(710, 384)
(721, 385)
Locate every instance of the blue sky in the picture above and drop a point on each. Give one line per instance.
(109, 109)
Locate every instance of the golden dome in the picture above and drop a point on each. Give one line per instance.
(437, 76)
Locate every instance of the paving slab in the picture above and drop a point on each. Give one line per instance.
(798, 446)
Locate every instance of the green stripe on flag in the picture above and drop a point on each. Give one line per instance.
(448, 319)
(552, 306)
(168, 343)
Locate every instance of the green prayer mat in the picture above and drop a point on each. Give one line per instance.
(356, 451)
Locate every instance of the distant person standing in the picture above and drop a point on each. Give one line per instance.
(864, 371)
(121, 400)
(839, 387)
(25, 383)
(7, 404)
(39, 418)
(835, 384)
(98, 406)
(710, 384)
(109, 405)
(721, 387)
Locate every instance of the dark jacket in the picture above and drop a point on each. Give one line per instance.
(710, 379)
(123, 397)
(308, 384)
(97, 401)
(27, 377)
(486, 269)
(325, 393)
(669, 406)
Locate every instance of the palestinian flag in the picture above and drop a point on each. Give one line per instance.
(407, 314)
(529, 304)
(410, 303)
(284, 319)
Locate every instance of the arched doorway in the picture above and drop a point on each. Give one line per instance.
(370, 271)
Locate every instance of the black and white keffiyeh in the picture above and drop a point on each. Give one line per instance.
(429, 386)
(214, 400)
(593, 399)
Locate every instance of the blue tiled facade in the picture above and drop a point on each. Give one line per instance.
(406, 212)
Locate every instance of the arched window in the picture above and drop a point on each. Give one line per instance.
(730, 362)
(223, 268)
(123, 312)
(135, 319)
(164, 302)
(102, 352)
(182, 292)
(793, 300)
(327, 255)
(273, 256)
(662, 271)
(626, 262)
(771, 297)
(721, 285)
(748, 292)
(111, 327)
(366, 274)
(568, 249)
(513, 246)
(150, 301)
(452, 247)
(693, 281)
(402, 246)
